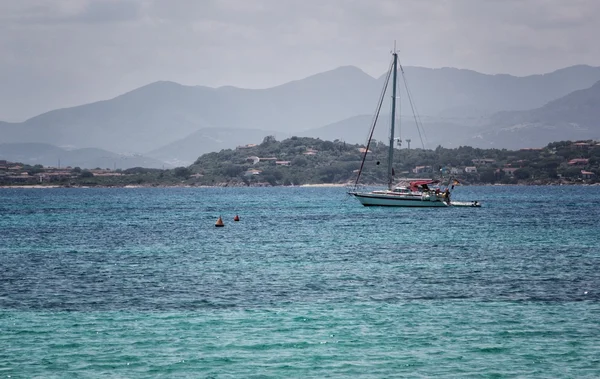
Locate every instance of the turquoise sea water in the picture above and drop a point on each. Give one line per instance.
(138, 283)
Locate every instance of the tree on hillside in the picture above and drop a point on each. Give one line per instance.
(35, 170)
(299, 161)
(268, 140)
(182, 172)
(522, 173)
(232, 170)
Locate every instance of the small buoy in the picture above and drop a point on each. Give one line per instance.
(219, 222)
(236, 218)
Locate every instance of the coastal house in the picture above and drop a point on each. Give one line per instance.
(253, 159)
(587, 174)
(22, 178)
(578, 162)
(248, 146)
(55, 176)
(310, 152)
(582, 145)
(471, 169)
(282, 163)
(105, 173)
(421, 169)
(362, 150)
(253, 171)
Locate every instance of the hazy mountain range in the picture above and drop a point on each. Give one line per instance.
(50, 155)
(575, 116)
(169, 122)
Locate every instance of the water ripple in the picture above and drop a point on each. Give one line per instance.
(139, 283)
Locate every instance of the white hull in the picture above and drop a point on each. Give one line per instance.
(385, 200)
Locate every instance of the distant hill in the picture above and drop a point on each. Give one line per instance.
(49, 155)
(575, 116)
(185, 151)
(131, 123)
(148, 118)
(452, 93)
(434, 131)
(164, 112)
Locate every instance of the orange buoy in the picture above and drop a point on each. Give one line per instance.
(219, 222)
(236, 218)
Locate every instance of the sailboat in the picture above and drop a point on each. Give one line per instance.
(417, 193)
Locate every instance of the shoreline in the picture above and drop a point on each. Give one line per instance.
(321, 185)
(324, 185)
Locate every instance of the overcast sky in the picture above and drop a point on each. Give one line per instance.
(58, 53)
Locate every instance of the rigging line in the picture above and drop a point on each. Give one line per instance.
(374, 122)
(418, 115)
(412, 106)
(375, 118)
(376, 114)
(417, 120)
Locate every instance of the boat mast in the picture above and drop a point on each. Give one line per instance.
(391, 151)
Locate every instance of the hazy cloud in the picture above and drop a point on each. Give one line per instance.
(68, 11)
(57, 53)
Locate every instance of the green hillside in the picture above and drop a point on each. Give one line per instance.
(303, 160)
(313, 161)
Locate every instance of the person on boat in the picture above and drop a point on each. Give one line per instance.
(447, 196)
